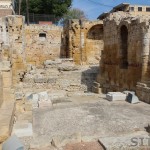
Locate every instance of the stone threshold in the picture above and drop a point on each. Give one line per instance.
(6, 119)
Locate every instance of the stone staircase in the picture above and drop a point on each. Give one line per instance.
(60, 75)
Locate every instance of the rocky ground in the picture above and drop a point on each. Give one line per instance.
(86, 118)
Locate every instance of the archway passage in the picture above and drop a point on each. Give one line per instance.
(94, 44)
(124, 47)
(96, 32)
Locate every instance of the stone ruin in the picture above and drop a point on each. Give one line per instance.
(102, 56)
(33, 60)
(125, 59)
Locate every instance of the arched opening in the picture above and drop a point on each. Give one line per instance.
(94, 44)
(124, 47)
(95, 33)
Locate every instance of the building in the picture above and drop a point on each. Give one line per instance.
(125, 63)
(6, 7)
(126, 7)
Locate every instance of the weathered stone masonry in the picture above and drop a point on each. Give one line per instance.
(42, 43)
(83, 41)
(126, 53)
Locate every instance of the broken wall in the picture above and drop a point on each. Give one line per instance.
(121, 65)
(83, 41)
(124, 62)
(43, 42)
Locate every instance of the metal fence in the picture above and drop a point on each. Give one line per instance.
(36, 18)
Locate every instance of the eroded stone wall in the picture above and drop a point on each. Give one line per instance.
(83, 41)
(125, 57)
(43, 42)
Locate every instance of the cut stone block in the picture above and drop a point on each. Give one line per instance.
(132, 98)
(125, 142)
(5, 65)
(115, 96)
(22, 129)
(60, 141)
(13, 143)
(19, 95)
(28, 106)
(43, 96)
(127, 92)
(35, 97)
(45, 104)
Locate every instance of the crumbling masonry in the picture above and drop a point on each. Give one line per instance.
(114, 52)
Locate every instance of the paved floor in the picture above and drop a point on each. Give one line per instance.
(91, 118)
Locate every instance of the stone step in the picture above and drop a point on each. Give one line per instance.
(6, 119)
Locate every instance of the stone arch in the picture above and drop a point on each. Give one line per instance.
(94, 43)
(124, 47)
(95, 32)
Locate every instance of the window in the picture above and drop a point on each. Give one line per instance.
(42, 36)
(139, 8)
(131, 8)
(148, 9)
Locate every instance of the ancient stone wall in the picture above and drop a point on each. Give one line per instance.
(83, 41)
(43, 42)
(124, 62)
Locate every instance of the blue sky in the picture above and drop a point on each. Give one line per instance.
(93, 10)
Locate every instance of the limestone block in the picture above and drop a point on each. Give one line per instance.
(19, 66)
(68, 67)
(43, 96)
(8, 94)
(5, 65)
(22, 129)
(132, 98)
(44, 103)
(115, 96)
(19, 95)
(60, 141)
(13, 143)
(28, 106)
(40, 80)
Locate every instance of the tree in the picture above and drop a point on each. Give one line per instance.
(74, 13)
(53, 7)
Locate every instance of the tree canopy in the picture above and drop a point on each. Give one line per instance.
(74, 13)
(53, 7)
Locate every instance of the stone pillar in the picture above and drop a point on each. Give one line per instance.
(145, 56)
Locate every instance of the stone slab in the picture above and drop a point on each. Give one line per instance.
(126, 142)
(22, 129)
(132, 98)
(115, 96)
(43, 104)
(43, 96)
